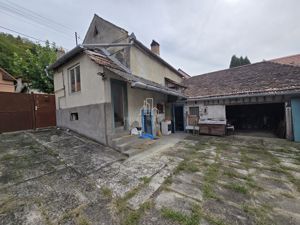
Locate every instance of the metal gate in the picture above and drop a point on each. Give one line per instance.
(26, 111)
(44, 110)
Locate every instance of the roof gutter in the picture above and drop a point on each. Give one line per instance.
(66, 57)
(153, 88)
(295, 92)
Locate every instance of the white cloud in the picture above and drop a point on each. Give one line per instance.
(197, 36)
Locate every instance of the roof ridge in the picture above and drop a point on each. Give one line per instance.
(284, 57)
(284, 64)
(233, 68)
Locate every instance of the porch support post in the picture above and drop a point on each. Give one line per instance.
(288, 121)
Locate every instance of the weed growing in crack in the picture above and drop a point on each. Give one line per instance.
(237, 188)
(107, 192)
(260, 213)
(182, 218)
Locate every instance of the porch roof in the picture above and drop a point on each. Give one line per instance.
(142, 83)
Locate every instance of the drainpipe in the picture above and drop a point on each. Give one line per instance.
(47, 74)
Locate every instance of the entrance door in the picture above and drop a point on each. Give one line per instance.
(119, 96)
(178, 116)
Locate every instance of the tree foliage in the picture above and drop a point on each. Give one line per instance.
(238, 61)
(28, 60)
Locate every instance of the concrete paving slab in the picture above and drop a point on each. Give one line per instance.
(175, 201)
(156, 181)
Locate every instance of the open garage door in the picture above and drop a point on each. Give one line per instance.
(258, 119)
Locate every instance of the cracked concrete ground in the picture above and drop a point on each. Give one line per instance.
(57, 177)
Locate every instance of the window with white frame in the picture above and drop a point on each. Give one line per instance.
(74, 78)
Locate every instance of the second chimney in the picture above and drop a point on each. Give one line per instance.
(155, 47)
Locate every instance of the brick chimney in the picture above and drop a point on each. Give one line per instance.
(60, 52)
(155, 47)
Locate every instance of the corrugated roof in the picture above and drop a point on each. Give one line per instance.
(264, 77)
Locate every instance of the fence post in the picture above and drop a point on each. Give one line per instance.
(33, 111)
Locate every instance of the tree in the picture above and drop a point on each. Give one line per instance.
(32, 66)
(235, 61)
(27, 60)
(246, 61)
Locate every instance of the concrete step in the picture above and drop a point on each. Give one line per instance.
(124, 139)
(133, 151)
(120, 134)
(131, 144)
(125, 143)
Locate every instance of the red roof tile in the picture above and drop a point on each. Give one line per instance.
(263, 77)
(289, 60)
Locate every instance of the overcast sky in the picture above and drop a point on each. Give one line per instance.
(195, 35)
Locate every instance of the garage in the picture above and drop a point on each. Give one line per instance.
(259, 99)
(258, 119)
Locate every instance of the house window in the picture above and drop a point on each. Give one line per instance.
(74, 74)
(96, 31)
(74, 116)
(194, 111)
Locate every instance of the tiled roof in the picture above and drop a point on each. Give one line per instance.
(263, 77)
(6, 76)
(289, 60)
(108, 63)
(101, 59)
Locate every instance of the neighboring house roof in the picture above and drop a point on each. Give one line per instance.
(253, 79)
(6, 76)
(289, 60)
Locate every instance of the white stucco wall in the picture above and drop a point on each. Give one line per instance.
(213, 112)
(92, 85)
(143, 65)
(136, 98)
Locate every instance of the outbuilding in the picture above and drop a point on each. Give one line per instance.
(261, 98)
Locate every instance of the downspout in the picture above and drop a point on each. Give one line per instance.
(47, 74)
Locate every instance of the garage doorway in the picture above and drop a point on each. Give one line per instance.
(258, 119)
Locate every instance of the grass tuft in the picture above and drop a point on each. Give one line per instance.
(237, 188)
(183, 218)
(106, 192)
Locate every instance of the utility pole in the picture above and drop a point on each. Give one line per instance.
(76, 38)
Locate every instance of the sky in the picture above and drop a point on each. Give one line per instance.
(197, 36)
